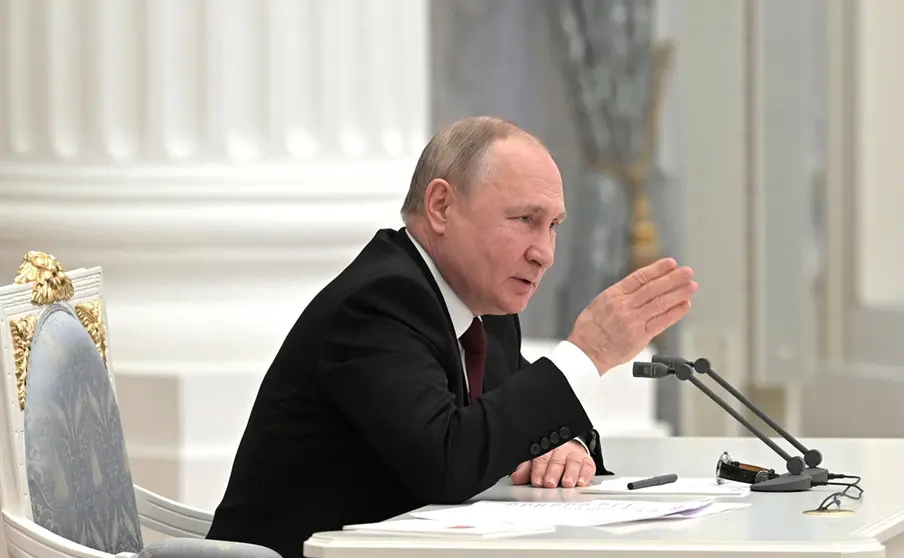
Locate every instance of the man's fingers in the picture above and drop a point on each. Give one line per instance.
(661, 285)
(666, 301)
(662, 322)
(522, 473)
(588, 469)
(538, 470)
(572, 473)
(554, 470)
(644, 275)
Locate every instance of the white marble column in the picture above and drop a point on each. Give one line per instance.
(221, 160)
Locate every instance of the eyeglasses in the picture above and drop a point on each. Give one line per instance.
(724, 459)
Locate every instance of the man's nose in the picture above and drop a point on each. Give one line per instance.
(542, 251)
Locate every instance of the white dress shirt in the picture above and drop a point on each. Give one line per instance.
(575, 365)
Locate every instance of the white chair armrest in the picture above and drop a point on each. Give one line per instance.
(26, 538)
(203, 548)
(171, 518)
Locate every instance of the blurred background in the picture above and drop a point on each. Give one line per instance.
(222, 160)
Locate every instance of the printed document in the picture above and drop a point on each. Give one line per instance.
(425, 527)
(579, 514)
(668, 521)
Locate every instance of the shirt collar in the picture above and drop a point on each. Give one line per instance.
(459, 313)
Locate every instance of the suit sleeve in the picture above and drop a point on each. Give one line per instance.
(580, 372)
(387, 378)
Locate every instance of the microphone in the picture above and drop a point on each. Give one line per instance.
(803, 473)
(651, 370)
(671, 362)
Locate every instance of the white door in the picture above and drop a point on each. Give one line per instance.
(793, 132)
(859, 383)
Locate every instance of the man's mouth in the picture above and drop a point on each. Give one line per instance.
(526, 281)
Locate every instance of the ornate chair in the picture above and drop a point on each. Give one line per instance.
(65, 484)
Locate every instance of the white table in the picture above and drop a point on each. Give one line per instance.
(773, 526)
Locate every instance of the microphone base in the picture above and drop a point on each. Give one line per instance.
(818, 475)
(784, 483)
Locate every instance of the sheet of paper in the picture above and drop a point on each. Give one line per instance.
(428, 527)
(668, 522)
(712, 509)
(580, 514)
(641, 526)
(689, 486)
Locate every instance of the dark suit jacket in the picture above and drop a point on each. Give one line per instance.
(363, 414)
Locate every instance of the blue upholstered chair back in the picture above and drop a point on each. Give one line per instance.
(76, 463)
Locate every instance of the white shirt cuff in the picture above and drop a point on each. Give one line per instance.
(580, 441)
(578, 369)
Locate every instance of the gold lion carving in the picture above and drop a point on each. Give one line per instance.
(51, 284)
(91, 315)
(22, 329)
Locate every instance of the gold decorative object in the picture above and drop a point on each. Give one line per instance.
(50, 281)
(22, 329)
(50, 284)
(91, 314)
(644, 235)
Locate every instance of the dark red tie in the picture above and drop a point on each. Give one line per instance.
(474, 342)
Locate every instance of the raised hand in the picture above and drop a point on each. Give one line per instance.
(624, 318)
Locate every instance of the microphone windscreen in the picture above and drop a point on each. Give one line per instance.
(671, 362)
(650, 370)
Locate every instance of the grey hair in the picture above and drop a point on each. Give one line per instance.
(457, 154)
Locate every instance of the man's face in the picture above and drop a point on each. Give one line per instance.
(500, 238)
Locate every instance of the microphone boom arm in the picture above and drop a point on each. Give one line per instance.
(798, 478)
(812, 457)
(746, 424)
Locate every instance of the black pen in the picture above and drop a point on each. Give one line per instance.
(653, 481)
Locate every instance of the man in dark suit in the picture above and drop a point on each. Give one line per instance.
(402, 383)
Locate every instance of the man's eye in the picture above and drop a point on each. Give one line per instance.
(524, 218)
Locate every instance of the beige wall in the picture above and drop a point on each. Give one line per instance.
(880, 180)
(863, 393)
(853, 384)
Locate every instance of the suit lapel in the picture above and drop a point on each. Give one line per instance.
(456, 374)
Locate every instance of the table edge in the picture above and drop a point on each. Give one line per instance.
(330, 541)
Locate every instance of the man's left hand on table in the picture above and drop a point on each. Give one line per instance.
(568, 466)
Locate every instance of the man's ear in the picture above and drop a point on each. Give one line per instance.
(438, 198)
